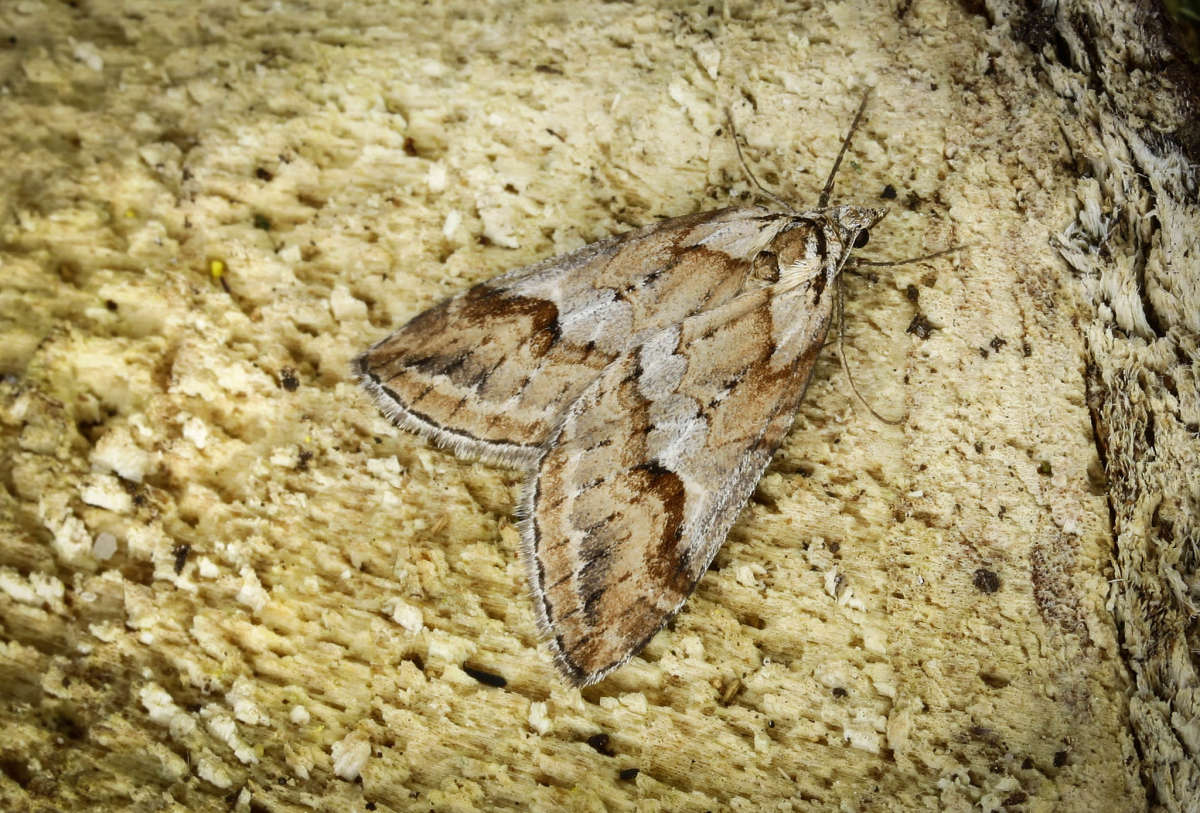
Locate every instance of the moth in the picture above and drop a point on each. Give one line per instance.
(644, 381)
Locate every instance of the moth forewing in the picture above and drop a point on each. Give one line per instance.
(488, 372)
(649, 467)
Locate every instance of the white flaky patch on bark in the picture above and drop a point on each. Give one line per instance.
(350, 756)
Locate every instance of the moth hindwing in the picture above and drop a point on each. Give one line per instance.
(646, 379)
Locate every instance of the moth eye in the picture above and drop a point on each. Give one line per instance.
(861, 239)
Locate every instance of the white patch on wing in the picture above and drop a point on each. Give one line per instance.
(662, 369)
(596, 316)
(743, 238)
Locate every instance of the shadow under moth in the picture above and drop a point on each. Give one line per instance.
(644, 381)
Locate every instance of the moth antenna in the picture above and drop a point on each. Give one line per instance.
(841, 320)
(828, 190)
(941, 253)
(746, 169)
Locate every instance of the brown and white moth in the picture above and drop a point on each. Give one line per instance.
(645, 381)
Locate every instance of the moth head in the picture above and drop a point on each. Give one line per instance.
(854, 223)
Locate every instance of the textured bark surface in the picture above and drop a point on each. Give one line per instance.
(1135, 246)
(225, 581)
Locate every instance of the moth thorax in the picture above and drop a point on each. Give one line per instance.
(797, 247)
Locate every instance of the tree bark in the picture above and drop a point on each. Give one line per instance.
(1133, 244)
(225, 580)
